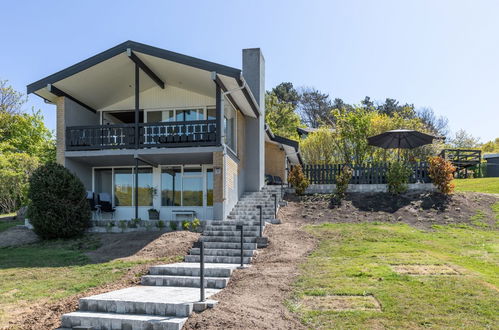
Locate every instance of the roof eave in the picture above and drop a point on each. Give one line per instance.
(138, 47)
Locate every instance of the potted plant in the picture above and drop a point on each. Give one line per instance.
(153, 214)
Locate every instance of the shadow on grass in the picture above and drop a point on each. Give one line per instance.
(89, 249)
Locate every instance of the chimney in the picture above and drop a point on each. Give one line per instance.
(254, 74)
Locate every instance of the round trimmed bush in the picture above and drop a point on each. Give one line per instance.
(58, 203)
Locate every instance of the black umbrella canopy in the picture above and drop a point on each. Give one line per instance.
(400, 139)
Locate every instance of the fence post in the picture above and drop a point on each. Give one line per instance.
(200, 246)
(261, 222)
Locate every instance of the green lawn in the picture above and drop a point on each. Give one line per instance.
(485, 185)
(357, 259)
(4, 225)
(48, 271)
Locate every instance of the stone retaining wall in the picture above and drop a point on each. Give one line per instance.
(363, 188)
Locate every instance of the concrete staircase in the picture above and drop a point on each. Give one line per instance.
(170, 293)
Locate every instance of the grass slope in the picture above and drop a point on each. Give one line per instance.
(51, 270)
(485, 185)
(356, 259)
(4, 225)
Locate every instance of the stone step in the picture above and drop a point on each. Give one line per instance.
(192, 269)
(239, 217)
(232, 228)
(101, 321)
(150, 300)
(184, 281)
(217, 245)
(217, 259)
(252, 211)
(223, 252)
(227, 239)
(246, 233)
(234, 223)
(256, 202)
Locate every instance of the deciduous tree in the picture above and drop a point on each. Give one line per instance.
(281, 117)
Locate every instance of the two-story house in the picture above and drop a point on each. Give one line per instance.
(157, 129)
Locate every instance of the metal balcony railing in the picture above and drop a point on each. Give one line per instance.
(151, 135)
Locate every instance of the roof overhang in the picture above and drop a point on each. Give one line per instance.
(291, 147)
(109, 77)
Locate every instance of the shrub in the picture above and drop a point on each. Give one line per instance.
(173, 225)
(298, 180)
(161, 224)
(186, 225)
(342, 180)
(398, 177)
(442, 174)
(122, 225)
(58, 203)
(195, 224)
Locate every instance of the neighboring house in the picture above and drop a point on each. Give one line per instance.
(492, 165)
(189, 133)
(303, 132)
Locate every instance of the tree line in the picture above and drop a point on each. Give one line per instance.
(341, 129)
(25, 144)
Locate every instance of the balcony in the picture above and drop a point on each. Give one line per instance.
(151, 135)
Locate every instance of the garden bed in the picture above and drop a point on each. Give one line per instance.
(422, 210)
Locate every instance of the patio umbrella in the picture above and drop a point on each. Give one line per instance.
(400, 139)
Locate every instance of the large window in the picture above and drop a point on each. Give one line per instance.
(209, 187)
(186, 186)
(171, 186)
(119, 183)
(192, 187)
(104, 181)
(146, 190)
(229, 125)
(123, 187)
(180, 115)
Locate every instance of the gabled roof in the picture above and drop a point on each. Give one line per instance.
(291, 147)
(113, 67)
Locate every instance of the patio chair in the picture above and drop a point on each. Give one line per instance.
(269, 179)
(105, 203)
(95, 208)
(277, 180)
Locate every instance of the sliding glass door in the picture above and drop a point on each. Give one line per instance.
(187, 186)
(119, 183)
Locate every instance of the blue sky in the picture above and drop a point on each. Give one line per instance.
(440, 54)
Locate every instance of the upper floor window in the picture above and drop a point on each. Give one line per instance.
(230, 116)
(155, 116)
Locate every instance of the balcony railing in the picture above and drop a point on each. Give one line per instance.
(151, 135)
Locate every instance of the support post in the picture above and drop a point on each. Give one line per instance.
(137, 91)
(136, 192)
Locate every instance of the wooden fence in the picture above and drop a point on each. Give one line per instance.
(362, 174)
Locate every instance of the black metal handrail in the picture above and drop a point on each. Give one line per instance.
(151, 135)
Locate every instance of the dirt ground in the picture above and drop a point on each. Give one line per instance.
(127, 246)
(143, 245)
(255, 297)
(16, 236)
(421, 210)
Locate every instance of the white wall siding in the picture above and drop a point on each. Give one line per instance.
(157, 98)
